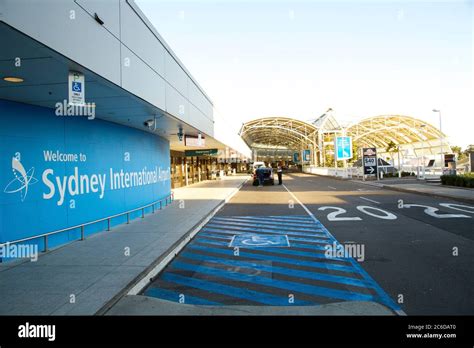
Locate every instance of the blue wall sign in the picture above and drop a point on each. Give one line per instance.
(296, 157)
(57, 172)
(307, 155)
(343, 148)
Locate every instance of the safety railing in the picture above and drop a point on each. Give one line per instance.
(167, 200)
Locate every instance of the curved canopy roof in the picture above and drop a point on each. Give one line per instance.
(380, 131)
(274, 132)
(377, 131)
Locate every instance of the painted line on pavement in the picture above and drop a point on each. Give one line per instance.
(370, 200)
(146, 280)
(384, 296)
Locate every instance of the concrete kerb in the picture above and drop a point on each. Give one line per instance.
(147, 275)
(143, 305)
(399, 189)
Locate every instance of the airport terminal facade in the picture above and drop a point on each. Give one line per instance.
(146, 126)
(60, 169)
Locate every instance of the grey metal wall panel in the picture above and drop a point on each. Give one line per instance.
(200, 121)
(199, 100)
(177, 105)
(107, 10)
(137, 37)
(175, 75)
(68, 29)
(141, 80)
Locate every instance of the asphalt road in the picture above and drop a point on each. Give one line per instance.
(411, 255)
(420, 258)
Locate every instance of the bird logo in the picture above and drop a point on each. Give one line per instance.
(23, 179)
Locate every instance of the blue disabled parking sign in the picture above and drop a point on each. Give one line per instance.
(258, 240)
(76, 87)
(343, 148)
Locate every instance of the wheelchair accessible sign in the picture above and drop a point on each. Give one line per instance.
(76, 87)
(258, 240)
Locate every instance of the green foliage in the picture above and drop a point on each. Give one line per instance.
(392, 147)
(458, 151)
(464, 180)
(407, 174)
(355, 153)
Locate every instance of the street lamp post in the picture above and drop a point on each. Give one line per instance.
(440, 141)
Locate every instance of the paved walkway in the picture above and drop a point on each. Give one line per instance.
(430, 189)
(97, 270)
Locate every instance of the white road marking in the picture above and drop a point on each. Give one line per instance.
(386, 216)
(338, 211)
(456, 207)
(400, 311)
(370, 200)
(332, 188)
(431, 211)
(302, 205)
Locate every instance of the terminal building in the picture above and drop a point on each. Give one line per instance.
(98, 117)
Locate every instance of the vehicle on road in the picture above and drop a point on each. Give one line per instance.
(266, 174)
(257, 165)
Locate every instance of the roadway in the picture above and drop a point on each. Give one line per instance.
(266, 247)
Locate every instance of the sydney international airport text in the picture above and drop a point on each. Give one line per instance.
(78, 184)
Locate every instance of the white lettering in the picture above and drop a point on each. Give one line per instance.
(48, 183)
(37, 331)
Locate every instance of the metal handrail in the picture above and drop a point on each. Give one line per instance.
(168, 199)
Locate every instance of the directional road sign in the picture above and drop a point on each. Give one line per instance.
(370, 160)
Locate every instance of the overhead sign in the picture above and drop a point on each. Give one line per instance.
(343, 148)
(369, 159)
(307, 155)
(76, 88)
(206, 152)
(198, 141)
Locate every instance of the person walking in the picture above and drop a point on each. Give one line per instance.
(260, 176)
(280, 174)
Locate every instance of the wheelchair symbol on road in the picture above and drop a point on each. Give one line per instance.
(259, 241)
(256, 240)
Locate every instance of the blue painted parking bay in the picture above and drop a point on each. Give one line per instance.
(264, 260)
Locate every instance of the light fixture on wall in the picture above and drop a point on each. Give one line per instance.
(13, 79)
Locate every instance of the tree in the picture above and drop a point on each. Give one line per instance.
(391, 148)
(458, 151)
(355, 153)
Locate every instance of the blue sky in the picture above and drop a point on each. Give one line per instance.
(298, 58)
